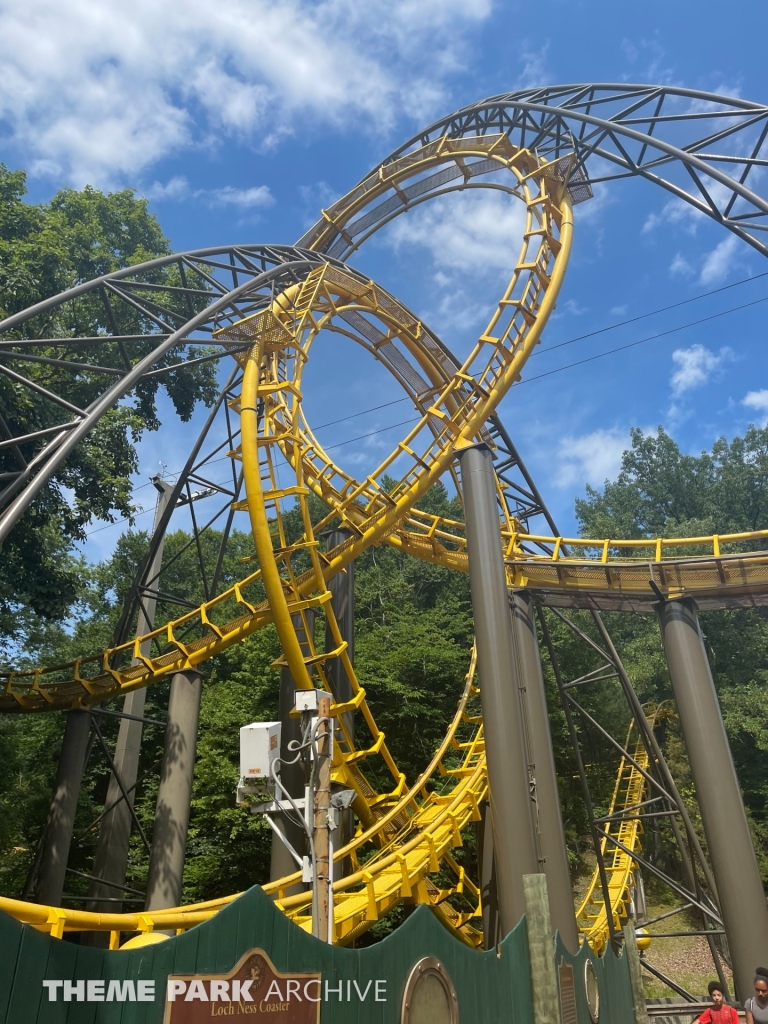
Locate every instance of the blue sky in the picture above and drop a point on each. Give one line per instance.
(239, 121)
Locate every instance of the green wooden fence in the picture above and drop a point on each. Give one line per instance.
(491, 987)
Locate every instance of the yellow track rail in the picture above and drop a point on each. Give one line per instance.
(454, 403)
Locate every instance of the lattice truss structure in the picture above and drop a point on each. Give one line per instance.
(262, 307)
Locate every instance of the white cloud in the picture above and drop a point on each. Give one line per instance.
(680, 265)
(619, 310)
(720, 261)
(695, 366)
(535, 71)
(758, 400)
(698, 106)
(243, 198)
(475, 232)
(630, 51)
(97, 92)
(590, 459)
(649, 51)
(175, 189)
(716, 264)
(676, 211)
(575, 309)
(679, 211)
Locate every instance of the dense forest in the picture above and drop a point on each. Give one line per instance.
(413, 619)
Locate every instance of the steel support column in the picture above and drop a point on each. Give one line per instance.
(742, 899)
(61, 818)
(489, 900)
(169, 834)
(514, 842)
(111, 860)
(541, 759)
(342, 588)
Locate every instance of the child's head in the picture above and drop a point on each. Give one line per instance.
(716, 993)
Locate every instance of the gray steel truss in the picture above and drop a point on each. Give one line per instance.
(699, 146)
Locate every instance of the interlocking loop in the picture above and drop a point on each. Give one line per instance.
(407, 834)
(414, 830)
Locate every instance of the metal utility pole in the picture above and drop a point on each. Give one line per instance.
(169, 834)
(740, 890)
(293, 777)
(514, 841)
(321, 905)
(111, 860)
(61, 817)
(342, 588)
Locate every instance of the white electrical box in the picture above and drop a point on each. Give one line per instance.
(306, 700)
(259, 748)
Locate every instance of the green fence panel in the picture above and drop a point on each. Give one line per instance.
(492, 987)
(614, 986)
(10, 954)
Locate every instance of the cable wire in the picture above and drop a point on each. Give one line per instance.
(662, 309)
(642, 341)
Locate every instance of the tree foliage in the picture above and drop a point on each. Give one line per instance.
(662, 492)
(45, 249)
(413, 636)
(414, 633)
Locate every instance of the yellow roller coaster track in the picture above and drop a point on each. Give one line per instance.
(406, 835)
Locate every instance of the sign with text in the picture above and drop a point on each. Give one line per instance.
(253, 988)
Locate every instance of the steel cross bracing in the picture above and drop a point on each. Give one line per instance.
(212, 290)
(383, 902)
(291, 286)
(218, 436)
(31, 458)
(645, 793)
(463, 152)
(414, 356)
(699, 146)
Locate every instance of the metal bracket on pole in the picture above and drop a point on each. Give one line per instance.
(283, 839)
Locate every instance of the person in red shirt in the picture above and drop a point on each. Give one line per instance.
(719, 1012)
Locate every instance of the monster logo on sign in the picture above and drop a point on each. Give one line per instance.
(253, 987)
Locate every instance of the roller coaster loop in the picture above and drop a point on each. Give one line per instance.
(265, 306)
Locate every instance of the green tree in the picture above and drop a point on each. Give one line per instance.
(414, 635)
(45, 249)
(661, 491)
